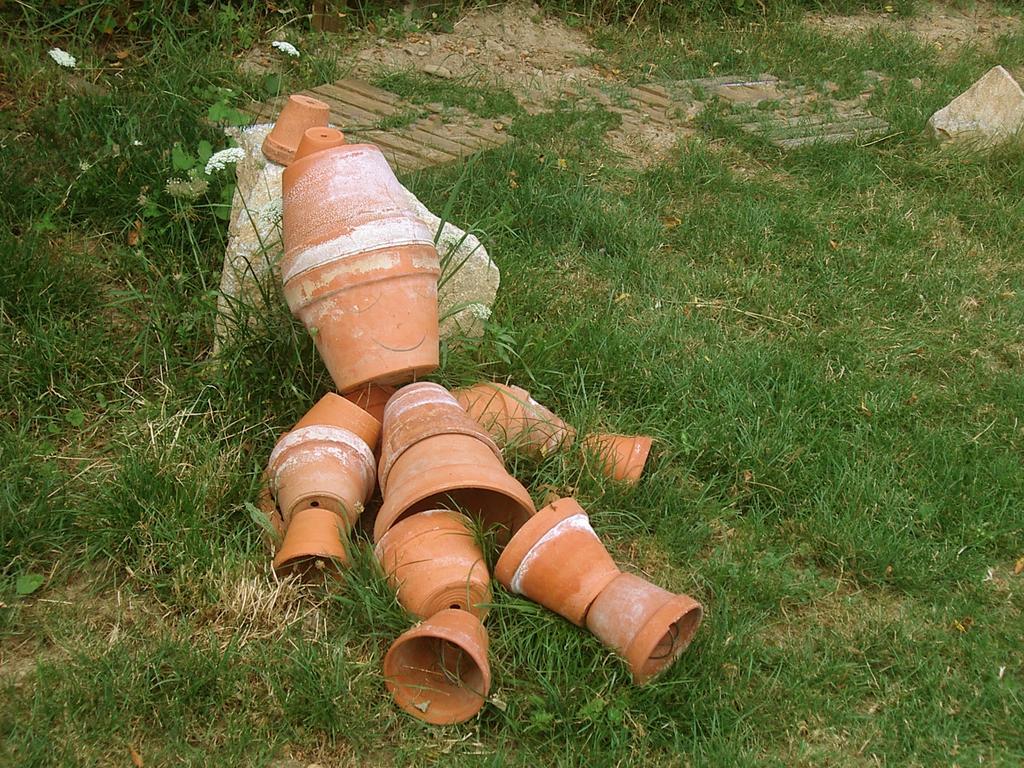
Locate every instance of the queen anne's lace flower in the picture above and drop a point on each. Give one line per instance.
(219, 160)
(479, 311)
(285, 47)
(63, 58)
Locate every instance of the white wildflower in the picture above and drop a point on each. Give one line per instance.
(63, 58)
(285, 47)
(136, 143)
(479, 311)
(270, 214)
(186, 189)
(220, 160)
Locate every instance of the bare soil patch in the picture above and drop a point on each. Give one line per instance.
(944, 27)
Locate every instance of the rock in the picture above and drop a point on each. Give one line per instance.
(469, 279)
(249, 277)
(438, 71)
(987, 113)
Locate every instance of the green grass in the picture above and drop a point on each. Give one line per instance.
(826, 344)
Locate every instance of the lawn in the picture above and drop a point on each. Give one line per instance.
(826, 343)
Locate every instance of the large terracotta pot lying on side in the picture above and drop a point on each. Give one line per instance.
(622, 457)
(557, 560)
(434, 456)
(514, 419)
(645, 624)
(299, 114)
(315, 542)
(324, 467)
(360, 268)
(438, 670)
(433, 562)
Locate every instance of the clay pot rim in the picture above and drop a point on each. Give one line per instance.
(349, 411)
(531, 532)
(465, 635)
(638, 652)
(320, 433)
(485, 479)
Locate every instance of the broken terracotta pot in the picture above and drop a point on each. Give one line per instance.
(324, 467)
(645, 624)
(438, 670)
(360, 268)
(622, 457)
(557, 560)
(314, 543)
(333, 410)
(299, 114)
(317, 140)
(433, 562)
(434, 456)
(372, 398)
(514, 419)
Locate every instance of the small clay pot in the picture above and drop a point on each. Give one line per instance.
(421, 410)
(317, 140)
(622, 457)
(645, 624)
(372, 398)
(438, 670)
(514, 419)
(336, 411)
(322, 466)
(433, 562)
(299, 114)
(314, 543)
(557, 560)
(360, 268)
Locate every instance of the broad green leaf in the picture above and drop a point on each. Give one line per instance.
(28, 583)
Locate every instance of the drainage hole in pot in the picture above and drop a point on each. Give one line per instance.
(314, 503)
(455, 607)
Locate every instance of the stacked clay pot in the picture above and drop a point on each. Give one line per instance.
(359, 269)
(434, 455)
(319, 476)
(557, 560)
(299, 114)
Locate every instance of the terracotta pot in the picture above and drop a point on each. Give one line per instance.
(454, 472)
(433, 562)
(371, 398)
(360, 268)
(299, 114)
(317, 140)
(557, 560)
(422, 410)
(645, 624)
(314, 542)
(514, 419)
(321, 466)
(438, 670)
(622, 457)
(333, 410)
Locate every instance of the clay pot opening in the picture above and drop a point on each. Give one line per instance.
(314, 545)
(492, 508)
(671, 645)
(438, 670)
